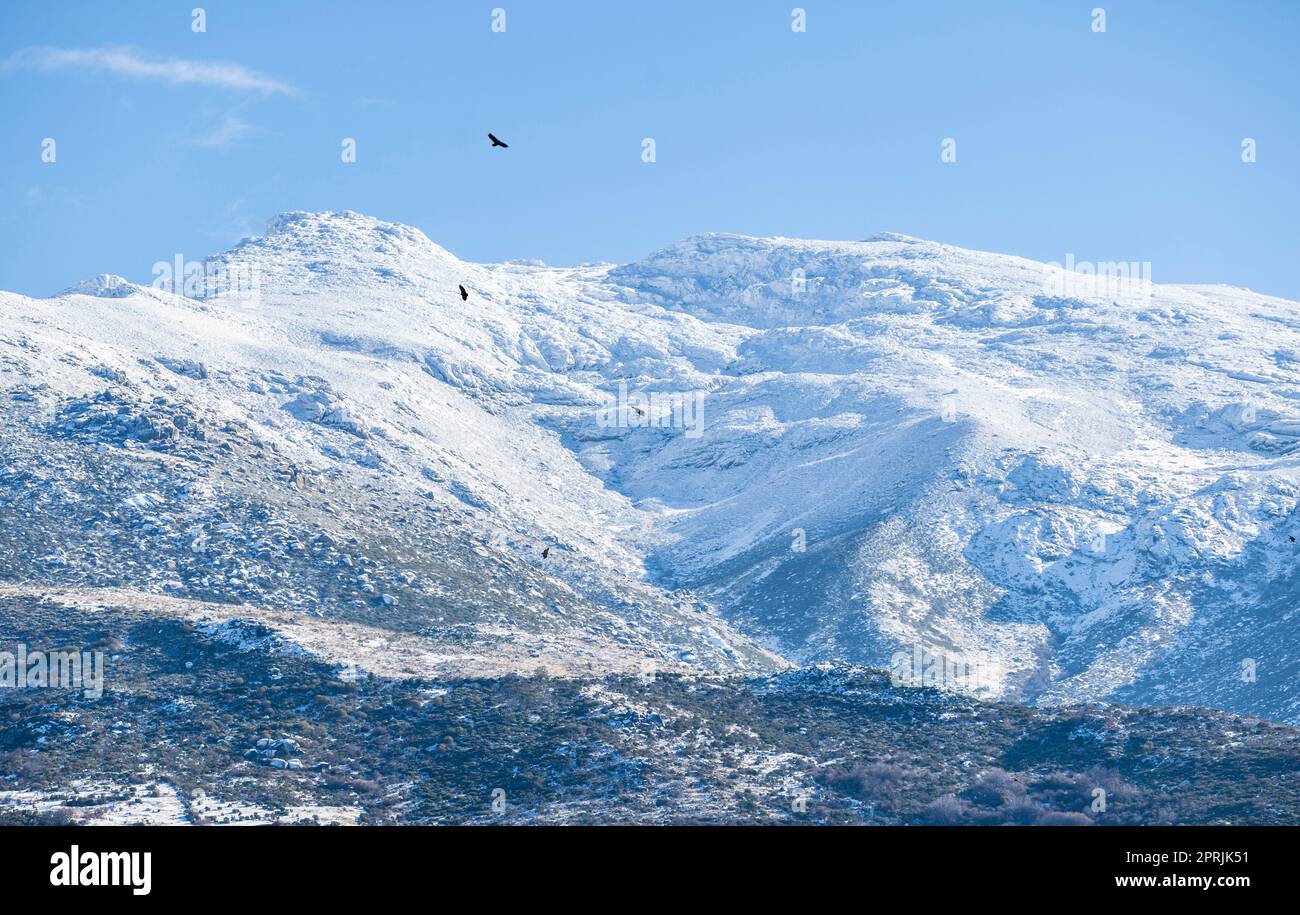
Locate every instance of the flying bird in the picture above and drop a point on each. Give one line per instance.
(496, 142)
(546, 553)
(464, 296)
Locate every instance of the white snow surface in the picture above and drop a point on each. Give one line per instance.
(903, 443)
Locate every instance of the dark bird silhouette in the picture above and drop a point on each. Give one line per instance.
(464, 296)
(639, 411)
(1293, 538)
(546, 553)
(496, 142)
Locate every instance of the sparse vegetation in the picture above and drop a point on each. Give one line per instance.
(183, 708)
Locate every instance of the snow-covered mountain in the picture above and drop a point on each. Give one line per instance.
(742, 453)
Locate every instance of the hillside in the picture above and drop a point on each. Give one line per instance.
(714, 468)
(1084, 496)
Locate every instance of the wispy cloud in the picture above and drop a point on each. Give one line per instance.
(226, 134)
(125, 61)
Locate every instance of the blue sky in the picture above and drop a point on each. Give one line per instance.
(1122, 145)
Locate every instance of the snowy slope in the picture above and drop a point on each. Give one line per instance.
(903, 444)
(1087, 495)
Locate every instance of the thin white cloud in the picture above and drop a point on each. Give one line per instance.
(130, 62)
(226, 134)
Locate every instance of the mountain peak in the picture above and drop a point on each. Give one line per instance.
(897, 237)
(104, 286)
(304, 250)
(316, 227)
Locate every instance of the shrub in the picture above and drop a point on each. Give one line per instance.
(1022, 812)
(880, 783)
(1064, 818)
(948, 810)
(994, 788)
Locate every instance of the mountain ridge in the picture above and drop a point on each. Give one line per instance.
(1087, 495)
